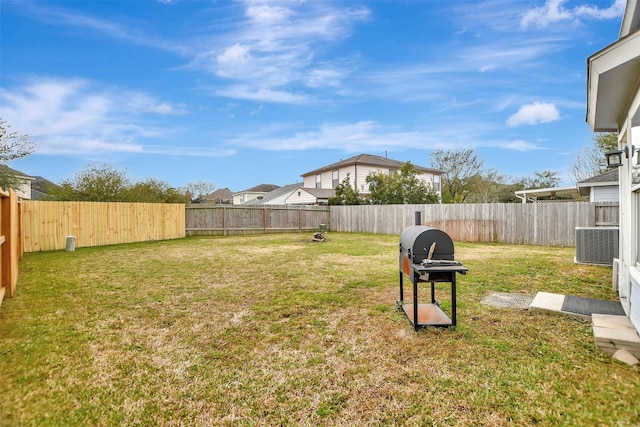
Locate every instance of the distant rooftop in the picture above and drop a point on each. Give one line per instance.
(371, 160)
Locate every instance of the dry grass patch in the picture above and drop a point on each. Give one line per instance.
(274, 330)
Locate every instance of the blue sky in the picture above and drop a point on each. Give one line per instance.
(240, 93)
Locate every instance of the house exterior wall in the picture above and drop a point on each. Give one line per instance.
(357, 176)
(280, 200)
(245, 197)
(629, 272)
(605, 194)
(300, 197)
(24, 189)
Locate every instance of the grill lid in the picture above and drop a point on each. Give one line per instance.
(418, 239)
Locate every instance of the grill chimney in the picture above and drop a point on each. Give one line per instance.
(418, 218)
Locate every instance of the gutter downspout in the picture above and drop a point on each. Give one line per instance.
(523, 198)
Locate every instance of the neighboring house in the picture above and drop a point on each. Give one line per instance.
(24, 181)
(546, 193)
(309, 196)
(252, 193)
(41, 188)
(601, 188)
(358, 168)
(613, 105)
(275, 197)
(223, 196)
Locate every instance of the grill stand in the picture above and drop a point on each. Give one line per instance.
(423, 315)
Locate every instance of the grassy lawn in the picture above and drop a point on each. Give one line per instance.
(275, 330)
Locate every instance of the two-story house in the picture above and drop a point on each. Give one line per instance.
(358, 168)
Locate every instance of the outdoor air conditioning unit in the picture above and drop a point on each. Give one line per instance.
(597, 245)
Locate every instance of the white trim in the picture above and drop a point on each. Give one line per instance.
(612, 73)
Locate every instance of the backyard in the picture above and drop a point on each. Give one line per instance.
(277, 330)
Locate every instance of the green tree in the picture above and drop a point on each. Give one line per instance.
(541, 179)
(155, 191)
(13, 145)
(96, 182)
(404, 187)
(100, 182)
(605, 141)
(345, 194)
(461, 169)
(487, 187)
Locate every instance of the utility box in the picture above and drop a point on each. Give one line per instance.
(70, 244)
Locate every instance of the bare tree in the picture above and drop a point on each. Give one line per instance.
(196, 191)
(13, 145)
(590, 161)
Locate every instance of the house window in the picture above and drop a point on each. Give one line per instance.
(334, 179)
(298, 194)
(318, 181)
(436, 182)
(392, 172)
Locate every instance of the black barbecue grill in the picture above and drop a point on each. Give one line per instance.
(427, 255)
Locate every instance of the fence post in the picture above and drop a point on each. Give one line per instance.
(10, 233)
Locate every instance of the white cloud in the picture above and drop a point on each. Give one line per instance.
(324, 77)
(371, 136)
(554, 11)
(277, 47)
(72, 19)
(267, 15)
(261, 94)
(531, 114)
(367, 135)
(75, 116)
(520, 145)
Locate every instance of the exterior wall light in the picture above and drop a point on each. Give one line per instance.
(614, 158)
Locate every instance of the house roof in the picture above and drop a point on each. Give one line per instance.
(611, 71)
(318, 193)
(220, 194)
(280, 191)
(546, 192)
(631, 18)
(609, 177)
(606, 179)
(42, 185)
(370, 160)
(260, 188)
(14, 172)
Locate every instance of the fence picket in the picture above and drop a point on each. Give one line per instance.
(547, 224)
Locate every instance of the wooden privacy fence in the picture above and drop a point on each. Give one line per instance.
(219, 220)
(46, 224)
(548, 224)
(11, 251)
